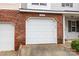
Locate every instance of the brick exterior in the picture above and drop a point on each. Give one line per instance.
(19, 18)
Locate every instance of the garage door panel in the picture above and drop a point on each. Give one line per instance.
(6, 37)
(41, 31)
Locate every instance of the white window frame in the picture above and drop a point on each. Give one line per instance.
(43, 4)
(39, 4)
(73, 26)
(35, 3)
(67, 5)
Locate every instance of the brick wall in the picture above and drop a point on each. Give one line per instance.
(19, 18)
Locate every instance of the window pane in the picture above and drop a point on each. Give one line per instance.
(69, 26)
(77, 22)
(35, 3)
(67, 4)
(71, 4)
(63, 5)
(73, 23)
(73, 29)
(43, 4)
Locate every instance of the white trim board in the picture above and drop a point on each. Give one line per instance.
(57, 12)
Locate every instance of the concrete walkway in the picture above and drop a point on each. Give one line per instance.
(45, 50)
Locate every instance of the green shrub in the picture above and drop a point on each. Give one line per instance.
(75, 44)
(77, 48)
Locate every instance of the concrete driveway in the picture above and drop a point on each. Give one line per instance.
(45, 50)
(8, 53)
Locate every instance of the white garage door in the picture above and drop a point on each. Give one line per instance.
(41, 31)
(6, 37)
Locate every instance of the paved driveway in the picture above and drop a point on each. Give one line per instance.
(8, 53)
(45, 50)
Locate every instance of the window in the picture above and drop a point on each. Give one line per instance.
(35, 3)
(73, 26)
(40, 4)
(67, 4)
(43, 4)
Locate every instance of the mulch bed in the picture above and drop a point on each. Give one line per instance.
(74, 51)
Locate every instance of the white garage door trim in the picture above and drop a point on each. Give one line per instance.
(6, 36)
(51, 40)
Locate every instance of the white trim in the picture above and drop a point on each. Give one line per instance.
(43, 11)
(63, 29)
(19, 5)
(41, 17)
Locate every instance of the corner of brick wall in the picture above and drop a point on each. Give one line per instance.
(60, 29)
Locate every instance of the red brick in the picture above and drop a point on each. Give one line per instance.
(19, 18)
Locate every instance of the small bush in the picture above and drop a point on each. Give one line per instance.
(75, 44)
(77, 48)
